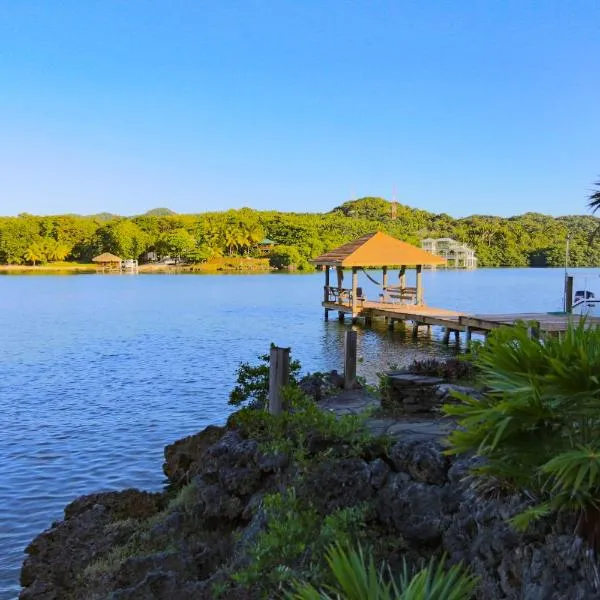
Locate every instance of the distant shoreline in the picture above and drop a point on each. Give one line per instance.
(221, 265)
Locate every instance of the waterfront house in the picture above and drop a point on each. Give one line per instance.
(457, 255)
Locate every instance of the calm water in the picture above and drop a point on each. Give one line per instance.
(99, 373)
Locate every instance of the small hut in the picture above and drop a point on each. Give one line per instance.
(265, 246)
(375, 250)
(108, 262)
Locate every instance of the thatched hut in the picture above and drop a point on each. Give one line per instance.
(108, 261)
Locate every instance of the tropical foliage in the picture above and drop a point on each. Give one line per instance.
(530, 239)
(252, 382)
(356, 577)
(538, 425)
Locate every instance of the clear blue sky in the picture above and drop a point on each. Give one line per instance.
(489, 107)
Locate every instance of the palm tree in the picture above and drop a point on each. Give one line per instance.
(57, 251)
(34, 253)
(594, 204)
(594, 199)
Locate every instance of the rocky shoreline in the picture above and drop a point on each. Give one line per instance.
(193, 540)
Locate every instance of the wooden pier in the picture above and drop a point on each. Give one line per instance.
(401, 303)
(454, 322)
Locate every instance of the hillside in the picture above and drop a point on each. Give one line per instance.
(530, 239)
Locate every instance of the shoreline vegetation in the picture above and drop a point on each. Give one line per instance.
(315, 501)
(219, 265)
(287, 240)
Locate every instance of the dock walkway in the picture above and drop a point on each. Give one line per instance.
(453, 321)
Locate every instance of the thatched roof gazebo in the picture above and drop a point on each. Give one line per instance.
(108, 261)
(375, 250)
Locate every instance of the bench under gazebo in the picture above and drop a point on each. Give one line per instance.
(374, 250)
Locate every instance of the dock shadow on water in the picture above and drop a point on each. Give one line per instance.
(99, 373)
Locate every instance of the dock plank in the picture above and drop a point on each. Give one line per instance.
(456, 320)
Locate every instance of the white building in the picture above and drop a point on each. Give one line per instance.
(457, 255)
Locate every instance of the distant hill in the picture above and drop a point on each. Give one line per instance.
(103, 216)
(160, 212)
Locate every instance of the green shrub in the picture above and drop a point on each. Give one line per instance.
(356, 577)
(538, 426)
(295, 541)
(252, 382)
(283, 257)
(291, 431)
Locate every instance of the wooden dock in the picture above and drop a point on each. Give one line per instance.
(401, 303)
(453, 321)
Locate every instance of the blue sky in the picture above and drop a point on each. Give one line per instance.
(489, 107)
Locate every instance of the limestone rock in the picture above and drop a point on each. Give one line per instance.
(417, 511)
(182, 458)
(423, 461)
(336, 484)
(70, 545)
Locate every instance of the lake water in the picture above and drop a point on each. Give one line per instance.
(99, 373)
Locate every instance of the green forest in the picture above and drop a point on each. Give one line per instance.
(531, 239)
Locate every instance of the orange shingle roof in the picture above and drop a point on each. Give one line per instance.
(377, 250)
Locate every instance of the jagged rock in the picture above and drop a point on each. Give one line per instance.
(416, 510)
(338, 484)
(423, 461)
(215, 504)
(183, 457)
(416, 495)
(321, 385)
(239, 480)
(69, 546)
(272, 463)
(379, 471)
(127, 504)
(231, 451)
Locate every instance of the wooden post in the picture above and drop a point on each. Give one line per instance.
(447, 336)
(419, 284)
(415, 331)
(279, 372)
(457, 336)
(340, 276)
(326, 291)
(384, 282)
(354, 288)
(468, 336)
(349, 359)
(340, 282)
(402, 276)
(569, 294)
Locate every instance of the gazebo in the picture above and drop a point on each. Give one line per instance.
(108, 261)
(375, 250)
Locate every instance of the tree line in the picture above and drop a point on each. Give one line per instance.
(531, 239)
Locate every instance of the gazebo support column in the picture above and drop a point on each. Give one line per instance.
(384, 278)
(419, 284)
(402, 276)
(340, 283)
(326, 291)
(354, 291)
